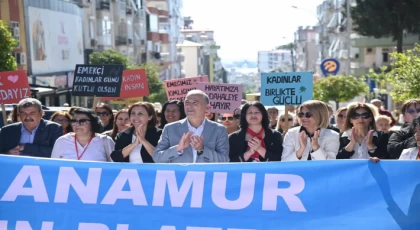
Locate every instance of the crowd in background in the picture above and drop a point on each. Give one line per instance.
(185, 132)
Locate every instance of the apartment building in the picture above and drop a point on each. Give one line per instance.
(212, 63)
(193, 65)
(275, 60)
(306, 49)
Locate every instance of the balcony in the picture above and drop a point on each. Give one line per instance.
(103, 5)
(121, 40)
(410, 40)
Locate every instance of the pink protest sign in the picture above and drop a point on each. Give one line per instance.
(177, 89)
(224, 98)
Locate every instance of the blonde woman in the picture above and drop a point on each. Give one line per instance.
(340, 118)
(285, 122)
(312, 140)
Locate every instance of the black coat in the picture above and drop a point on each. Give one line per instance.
(400, 140)
(125, 138)
(46, 135)
(380, 142)
(273, 144)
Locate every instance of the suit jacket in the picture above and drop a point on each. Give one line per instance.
(46, 135)
(380, 140)
(273, 145)
(328, 145)
(125, 138)
(216, 144)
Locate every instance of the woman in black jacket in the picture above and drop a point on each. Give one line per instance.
(137, 143)
(255, 141)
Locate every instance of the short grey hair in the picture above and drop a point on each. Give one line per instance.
(201, 93)
(25, 103)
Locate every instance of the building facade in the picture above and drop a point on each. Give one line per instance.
(306, 49)
(275, 60)
(193, 65)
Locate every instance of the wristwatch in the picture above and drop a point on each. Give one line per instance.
(199, 152)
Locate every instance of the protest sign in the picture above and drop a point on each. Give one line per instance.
(134, 84)
(49, 194)
(97, 80)
(14, 87)
(224, 98)
(177, 89)
(286, 88)
(126, 101)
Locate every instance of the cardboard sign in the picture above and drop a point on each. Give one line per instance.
(177, 89)
(14, 87)
(126, 101)
(97, 80)
(224, 98)
(134, 84)
(286, 88)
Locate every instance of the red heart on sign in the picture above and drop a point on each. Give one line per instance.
(13, 78)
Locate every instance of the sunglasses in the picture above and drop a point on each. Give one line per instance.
(227, 118)
(362, 115)
(413, 111)
(283, 120)
(342, 116)
(79, 122)
(103, 114)
(61, 121)
(307, 115)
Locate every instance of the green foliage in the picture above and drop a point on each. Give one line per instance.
(108, 57)
(405, 75)
(339, 88)
(384, 18)
(156, 88)
(7, 45)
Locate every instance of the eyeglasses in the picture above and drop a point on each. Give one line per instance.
(61, 121)
(358, 115)
(283, 119)
(79, 122)
(237, 116)
(228, 118)
(307, 115)
(342, 116)
(413, 111)
(103, 114)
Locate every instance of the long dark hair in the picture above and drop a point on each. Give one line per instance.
(95, 122)
(180, 104)
(265, 122)
(114, 131)
(150, 109)
(108, 109)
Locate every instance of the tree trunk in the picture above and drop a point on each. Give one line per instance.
(400, 42)
(337, 105)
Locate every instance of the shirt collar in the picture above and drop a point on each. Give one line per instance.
(190, 126)
(22, 129)
(308, 134)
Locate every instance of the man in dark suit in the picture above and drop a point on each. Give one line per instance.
(33, 136)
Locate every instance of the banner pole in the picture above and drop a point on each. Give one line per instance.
(3, 111)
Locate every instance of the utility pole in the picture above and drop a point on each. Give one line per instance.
(293, 58)
(348, 61)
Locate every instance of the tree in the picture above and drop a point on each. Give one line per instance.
(7, 45)
(108, 57)
(404, 76)
(386, 18)
(338, 88)
(156, 87)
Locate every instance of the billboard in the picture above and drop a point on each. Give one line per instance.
(55, 40)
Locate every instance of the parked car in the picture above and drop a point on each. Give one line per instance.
(48, 111)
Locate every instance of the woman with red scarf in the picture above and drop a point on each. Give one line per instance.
(255, 141)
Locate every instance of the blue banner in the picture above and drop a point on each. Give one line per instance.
(286, 88)
(50, 194)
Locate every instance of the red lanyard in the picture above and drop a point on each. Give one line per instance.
(77, 150)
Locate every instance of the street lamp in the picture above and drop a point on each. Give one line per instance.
(321, 26)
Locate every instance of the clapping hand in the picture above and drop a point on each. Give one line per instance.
(185, 141)
(197, 142)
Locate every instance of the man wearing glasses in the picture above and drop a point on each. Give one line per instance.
(33, 136)
(194, 139)
(404, 138)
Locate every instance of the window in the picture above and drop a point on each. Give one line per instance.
(385, 57)
(14, 29)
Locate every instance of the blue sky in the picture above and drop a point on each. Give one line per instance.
(243, 27)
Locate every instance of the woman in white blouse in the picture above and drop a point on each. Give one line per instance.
(312, 140)
(85, 143)
(413, 153)
(136, 144)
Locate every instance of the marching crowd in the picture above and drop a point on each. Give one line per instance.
(184, 132)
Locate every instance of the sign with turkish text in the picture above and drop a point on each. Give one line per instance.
(134, 84)
(177, 89)
(126, 101)
(224, 98)
(47, 194)
(286, 88)
(97, 80)
(14, 87)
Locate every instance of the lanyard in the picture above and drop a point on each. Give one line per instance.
(77, 150)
